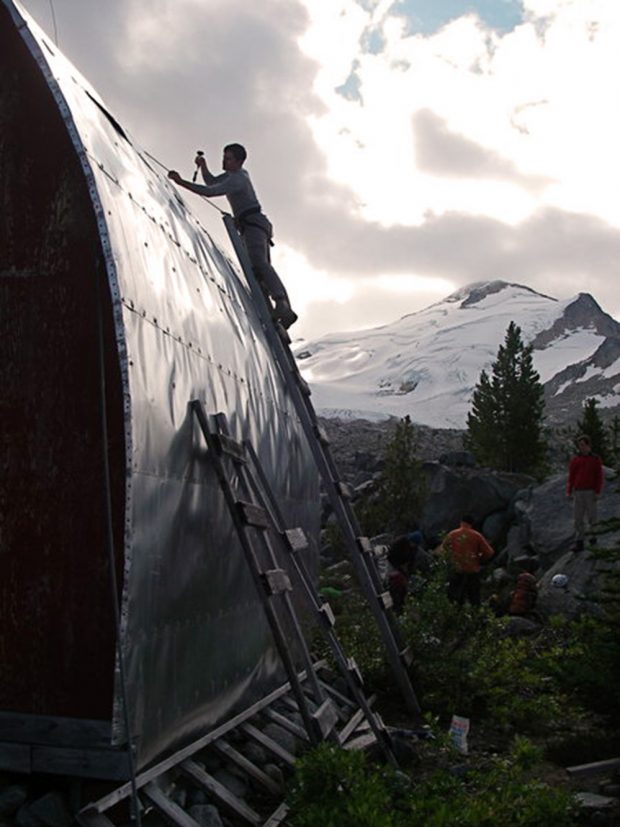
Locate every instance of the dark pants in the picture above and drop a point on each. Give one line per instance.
(464, 586)
(256, 236)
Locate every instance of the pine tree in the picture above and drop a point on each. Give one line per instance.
(397, 501)
(505, 424)
(592, 425)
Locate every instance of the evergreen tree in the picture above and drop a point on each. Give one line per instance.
(396, 503)
(504, 426)
(592, 425)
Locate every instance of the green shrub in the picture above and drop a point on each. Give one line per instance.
(335, 788)
(463, 661)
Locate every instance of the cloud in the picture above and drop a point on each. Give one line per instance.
(442, 152)
(465, 154)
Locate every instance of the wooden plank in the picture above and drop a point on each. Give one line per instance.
(342, 699)
(269, 744)
(224, 748)
(364, 545)
(595, 768)
(55, 731)
(296, 539)
(385, 598)
(253, 515)
(286, 723)
(406, 655)
(15, 757)
(108, 765)
(326, 717)
(220, 792)
(349, 728)
(327, 615)
(356, 720)
(176, 758)
(278, 816)
(167, 807)
(276, 581)
(362, 742)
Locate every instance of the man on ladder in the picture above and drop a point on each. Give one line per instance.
(251, 223)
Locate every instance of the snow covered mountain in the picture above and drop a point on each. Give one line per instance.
(426, 364)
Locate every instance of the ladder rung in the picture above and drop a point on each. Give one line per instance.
(354, 671)
(344, 489)
(407, 656)
(327, 615)
(326, 717)
(304, 387)
(321, 434)
(276, 581)
(364, 545)
(253, 515)
(386, 600)
(296, 539)
(229, 446)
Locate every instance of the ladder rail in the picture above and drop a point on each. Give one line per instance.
(272, 618)
(249, 488)
(365, 569)
(343, 663)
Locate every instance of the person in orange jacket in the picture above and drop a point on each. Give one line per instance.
(585, 483)
(467, 549)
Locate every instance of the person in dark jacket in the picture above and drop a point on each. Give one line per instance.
(585, 483)
(404, 554)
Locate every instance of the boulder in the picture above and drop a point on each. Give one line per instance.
(453, 492)
(586, 575)
(545, 518)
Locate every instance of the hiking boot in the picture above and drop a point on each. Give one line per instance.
(284, 314)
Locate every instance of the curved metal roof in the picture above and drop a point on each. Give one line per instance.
(193, 636)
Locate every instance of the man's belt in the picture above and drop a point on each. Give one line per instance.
(241, 222)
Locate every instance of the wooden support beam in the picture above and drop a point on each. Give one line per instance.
(269, 744)
(220, 792)
(228, 751)
(168, 808)
(595, 768)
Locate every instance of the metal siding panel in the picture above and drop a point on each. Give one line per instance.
(194, 638)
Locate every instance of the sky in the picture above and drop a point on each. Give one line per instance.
(401, 148)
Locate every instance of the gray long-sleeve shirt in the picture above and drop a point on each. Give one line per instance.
(236, 186)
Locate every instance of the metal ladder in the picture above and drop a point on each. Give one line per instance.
(358, 547)
(267, 544)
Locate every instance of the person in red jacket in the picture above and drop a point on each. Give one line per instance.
(585, 483)
(466, 549)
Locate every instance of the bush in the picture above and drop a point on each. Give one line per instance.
(335, 788)
(463, 661)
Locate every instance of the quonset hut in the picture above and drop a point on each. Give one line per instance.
(116, 310)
